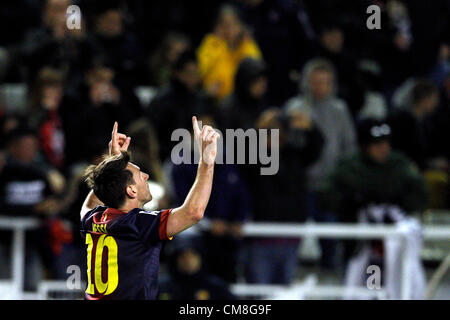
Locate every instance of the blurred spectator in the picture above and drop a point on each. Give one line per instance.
(376, 175)
(53, 44)
(45, 45)
(175, 105)
(395, 37)
(89, 115)
(26, 189)
(245, 104)
(441, 70)
(408, 125)
(319, 102)
(282, 197)
(440, 124)
(227, 209)
(23, 184)
(165, 56)
(332, 47)
(187, 279)
(117, 45)
(283, 32)
(45, 114)
(438, 172)
(145, 149)
(221, 52)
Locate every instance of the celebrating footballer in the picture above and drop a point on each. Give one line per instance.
(124, 241)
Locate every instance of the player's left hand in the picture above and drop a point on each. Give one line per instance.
(119, 141)
(206, 139)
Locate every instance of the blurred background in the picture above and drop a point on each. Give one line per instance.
(364, 120)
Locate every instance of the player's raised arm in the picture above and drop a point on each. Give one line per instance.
(119, 142)
(197, 199)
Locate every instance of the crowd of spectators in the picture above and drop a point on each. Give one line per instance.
(363, 115)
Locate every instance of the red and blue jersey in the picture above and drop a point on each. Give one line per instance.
(123, 250)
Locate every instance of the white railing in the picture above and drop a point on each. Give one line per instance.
(288, 230)
(349, 231)
(301, 290)
(18, 226)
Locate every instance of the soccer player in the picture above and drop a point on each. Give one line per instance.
(123, 240)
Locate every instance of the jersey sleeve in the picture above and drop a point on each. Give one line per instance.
(87, 218)
(152, 225)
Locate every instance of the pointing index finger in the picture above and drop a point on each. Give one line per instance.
(114, 132)
(195, 126)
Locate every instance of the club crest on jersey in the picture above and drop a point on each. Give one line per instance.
(101, 228)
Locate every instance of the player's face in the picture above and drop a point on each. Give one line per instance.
(140, 179)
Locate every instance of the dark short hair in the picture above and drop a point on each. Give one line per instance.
(110, 178)
(13, 136)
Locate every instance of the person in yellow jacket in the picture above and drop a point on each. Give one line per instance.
(220, 53)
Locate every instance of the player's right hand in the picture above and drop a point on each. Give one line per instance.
(206, 139)
(119, 141)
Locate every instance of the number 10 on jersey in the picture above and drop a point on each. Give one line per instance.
(96, 246)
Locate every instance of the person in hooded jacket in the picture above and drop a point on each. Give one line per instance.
(247, 101)
(173, 106)
(93, 109)
(319, 102)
